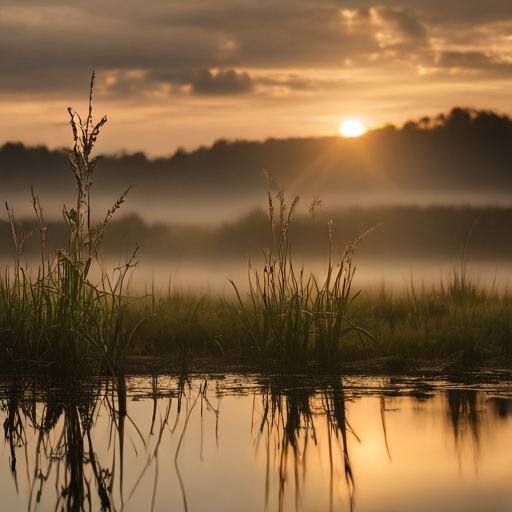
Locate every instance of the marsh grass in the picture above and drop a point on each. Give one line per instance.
(290, 319)
(59, 313)
(292, 316)
(459, 319)
(466, 324)
(183, 325)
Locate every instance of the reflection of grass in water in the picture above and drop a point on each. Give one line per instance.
(65, 453)
(465, 414)
(63, 426)
(56, 430)
(288, 423)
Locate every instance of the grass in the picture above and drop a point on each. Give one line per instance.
(293, 316)
(60, 315)
(470, 324)
(457, 319)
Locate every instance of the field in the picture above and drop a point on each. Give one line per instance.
(61, 316)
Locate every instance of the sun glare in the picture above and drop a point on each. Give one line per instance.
(352, 128)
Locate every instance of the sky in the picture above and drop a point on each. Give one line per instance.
(174, 73)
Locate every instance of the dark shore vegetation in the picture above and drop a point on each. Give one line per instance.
(61, 317)
(457, 323)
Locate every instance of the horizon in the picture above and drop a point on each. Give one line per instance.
(422, 123)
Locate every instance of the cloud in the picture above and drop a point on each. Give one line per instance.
(224, 82)
(285, 51)
(472, 61)
(157, 84)
(163, 38)
(401, 22)
(460, 11)
(464, 11)
(295, 82)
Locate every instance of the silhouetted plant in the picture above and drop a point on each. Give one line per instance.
(289, 316)
(61, 312)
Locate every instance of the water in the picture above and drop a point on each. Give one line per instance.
(235, 443)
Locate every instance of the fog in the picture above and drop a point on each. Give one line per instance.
(406, 244)
(212, 277)
(198, 217)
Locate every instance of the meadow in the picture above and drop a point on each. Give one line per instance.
(63, 317)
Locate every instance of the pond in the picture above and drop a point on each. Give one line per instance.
(231, 442)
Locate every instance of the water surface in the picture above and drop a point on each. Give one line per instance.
(234, 443)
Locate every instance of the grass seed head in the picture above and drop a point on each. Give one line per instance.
(315, 207)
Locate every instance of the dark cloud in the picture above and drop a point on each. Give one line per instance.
(179, 40)
(224, 82)
(158, 46)
(128, 84)
(41, 54)
(472, 61)
(308, 37)
(178, 76)
(464, 11)
(402, 22)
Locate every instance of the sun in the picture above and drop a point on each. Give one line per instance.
(352, 128)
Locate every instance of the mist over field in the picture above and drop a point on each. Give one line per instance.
(424, 185)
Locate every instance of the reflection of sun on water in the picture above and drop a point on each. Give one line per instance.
(352, 128)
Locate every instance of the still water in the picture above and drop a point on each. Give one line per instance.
(235, 443)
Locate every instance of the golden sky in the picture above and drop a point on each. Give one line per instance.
(172, 73)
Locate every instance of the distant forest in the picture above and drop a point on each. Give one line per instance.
(460, 154)
(404, 234)
(464, 154)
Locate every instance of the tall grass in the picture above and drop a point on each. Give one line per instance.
(60, 313)
(456, 320)
(289, 315)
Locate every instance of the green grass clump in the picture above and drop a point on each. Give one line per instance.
(468, 322)
(292, 317)
(183, 326)
(60, 314)
(457, 319)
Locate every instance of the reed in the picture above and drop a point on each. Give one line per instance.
(61, 313)
(292, 317)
